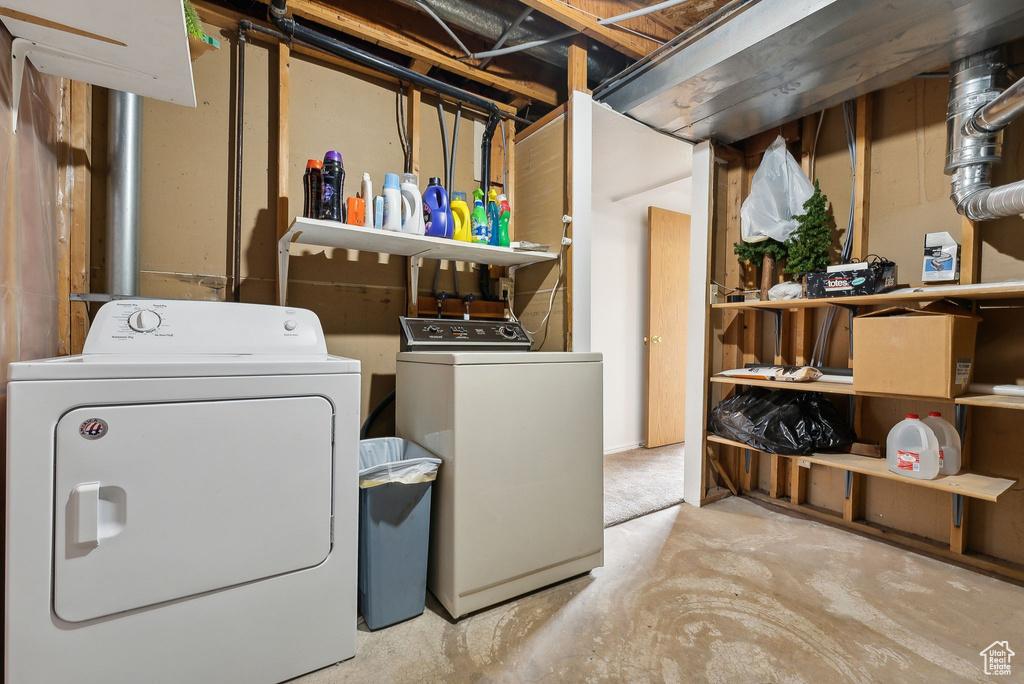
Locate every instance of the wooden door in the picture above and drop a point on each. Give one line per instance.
(668, 271)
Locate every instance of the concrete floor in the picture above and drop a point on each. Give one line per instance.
(731, 592)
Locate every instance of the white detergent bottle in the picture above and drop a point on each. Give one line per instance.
(366, 192)
(912, 449)
(949, 443)
(392, 203)
(412, 219)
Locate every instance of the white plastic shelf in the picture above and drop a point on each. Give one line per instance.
(305, 231)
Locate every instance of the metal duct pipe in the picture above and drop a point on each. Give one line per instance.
(997, 114)
(124, 192)
(491, 18)
(978, 110)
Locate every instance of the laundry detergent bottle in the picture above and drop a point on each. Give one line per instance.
(412, 200)
(461, 215)
(478, 219)
(392, 203)
(504, 215)
(949, 443)
(912, 449)
(435, 201)
(366, 192)
(493, 214)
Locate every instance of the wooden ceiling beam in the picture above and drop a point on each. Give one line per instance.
(623, 41)
(225, 18)
(355, 25)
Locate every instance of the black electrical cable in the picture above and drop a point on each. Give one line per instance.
(374, 414)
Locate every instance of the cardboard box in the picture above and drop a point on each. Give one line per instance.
(941, 259)
(919, 352)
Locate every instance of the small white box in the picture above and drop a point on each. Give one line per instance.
(941, 258)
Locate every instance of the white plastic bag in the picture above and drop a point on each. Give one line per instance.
(389, 459)
(777, 193)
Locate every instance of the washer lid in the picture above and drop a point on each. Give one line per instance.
(495, 358)
(105, 366)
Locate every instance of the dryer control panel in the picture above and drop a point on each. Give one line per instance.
(446, 334)
(155, 326)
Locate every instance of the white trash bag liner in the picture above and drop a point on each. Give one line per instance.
(777, 193)
(392, 459)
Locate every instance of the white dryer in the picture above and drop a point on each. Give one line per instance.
(182, 500)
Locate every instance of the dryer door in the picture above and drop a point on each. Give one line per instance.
(155, 502)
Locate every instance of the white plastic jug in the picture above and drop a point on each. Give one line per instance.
(912, 449)
(949, 443)
(412, 205)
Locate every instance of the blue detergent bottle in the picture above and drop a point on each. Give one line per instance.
(493, 215)
(435, 200)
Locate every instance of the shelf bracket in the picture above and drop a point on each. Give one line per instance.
(746, 453)
(777, 315)
(414, 279)
(960, 411)
(958, 509)
(848, 480)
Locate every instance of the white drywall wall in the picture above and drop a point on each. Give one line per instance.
(633, 167)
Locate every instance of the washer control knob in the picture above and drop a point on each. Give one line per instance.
(508, 332)
(433, 329)
(144, 320)
(290, 325)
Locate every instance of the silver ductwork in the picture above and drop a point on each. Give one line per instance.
(491, 18)
(980, 107)
(124, 192)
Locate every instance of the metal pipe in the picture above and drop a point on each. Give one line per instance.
(236, 264)
(124, 191)
(336, 47)
(491, 18)
(978, 111)
(504, 36)
(440, 22)
(997, 114)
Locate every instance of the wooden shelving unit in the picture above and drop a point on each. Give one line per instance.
(737, 332)
(968, 484)
(306, 231)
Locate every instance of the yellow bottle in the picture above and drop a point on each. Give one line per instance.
(460, 212)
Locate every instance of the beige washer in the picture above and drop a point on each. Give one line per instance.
(519, 500)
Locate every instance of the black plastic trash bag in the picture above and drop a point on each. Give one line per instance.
(781, 422)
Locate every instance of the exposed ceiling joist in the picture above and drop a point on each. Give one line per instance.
(355, 25)
(625, 42)
(224, 18)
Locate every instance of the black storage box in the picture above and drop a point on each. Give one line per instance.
(876, 277)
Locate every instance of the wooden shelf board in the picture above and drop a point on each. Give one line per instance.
(991, 401)
(923, 294)
(827, 387)
(973, 485)
(981, 400)
(306, 231)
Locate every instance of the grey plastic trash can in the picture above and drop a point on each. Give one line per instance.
(395, 476)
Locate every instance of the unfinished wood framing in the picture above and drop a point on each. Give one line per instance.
(625, 42)
(356, 24)
(577, 65)
(81, 208)
(858, 500)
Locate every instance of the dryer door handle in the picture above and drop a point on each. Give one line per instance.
(86, 510)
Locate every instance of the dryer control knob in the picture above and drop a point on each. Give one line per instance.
(144, 321)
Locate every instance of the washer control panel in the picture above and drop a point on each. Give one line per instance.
(149, 326)
(444, 334)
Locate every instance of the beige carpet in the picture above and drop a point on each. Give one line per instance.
(731, 592)
(641, 481)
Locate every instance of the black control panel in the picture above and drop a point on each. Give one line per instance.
(446, 334)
